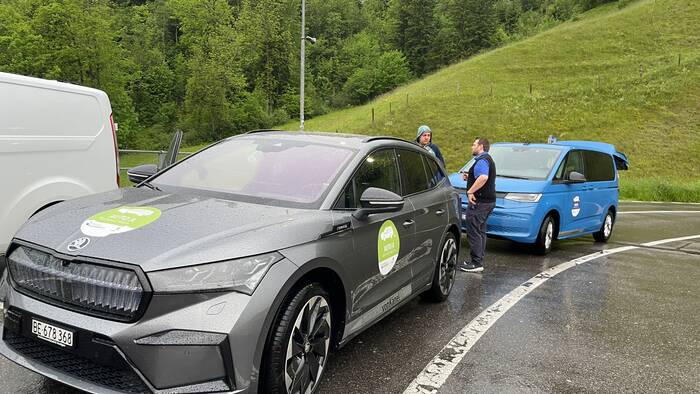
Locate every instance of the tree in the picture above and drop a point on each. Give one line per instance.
(414, 31)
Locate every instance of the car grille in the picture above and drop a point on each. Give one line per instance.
(101, 290)
(124, 380)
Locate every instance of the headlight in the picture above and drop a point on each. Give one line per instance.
(239, 275)
(524, 197)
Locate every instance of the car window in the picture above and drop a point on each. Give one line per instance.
(599, 166)
(380, 170)
(262, 170)
(435, 174)
(414, 170)
(573, 162)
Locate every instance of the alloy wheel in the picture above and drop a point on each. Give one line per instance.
(607, 227)
(549, 235)
(448, 265)
(307, 349)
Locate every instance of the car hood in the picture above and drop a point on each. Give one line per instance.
(170, 230)
(504, 185)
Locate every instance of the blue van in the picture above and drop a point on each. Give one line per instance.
(551, 191)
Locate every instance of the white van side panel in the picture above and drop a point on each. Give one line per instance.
(55, 144)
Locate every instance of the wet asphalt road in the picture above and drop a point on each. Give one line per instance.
(628, 322)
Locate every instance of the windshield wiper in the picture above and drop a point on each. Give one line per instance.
(512, 176)
(150, 186)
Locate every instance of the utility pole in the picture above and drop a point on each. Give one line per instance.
(301, 68)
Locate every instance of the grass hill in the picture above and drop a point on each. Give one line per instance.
(625, 75)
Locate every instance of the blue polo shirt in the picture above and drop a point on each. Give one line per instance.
(481, 167)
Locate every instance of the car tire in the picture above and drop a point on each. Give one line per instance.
(296, 353)
(445, 270)
(603, 235)
(546, 236)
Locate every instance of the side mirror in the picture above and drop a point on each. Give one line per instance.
(576, 177)
(142, 172)
(376, 200)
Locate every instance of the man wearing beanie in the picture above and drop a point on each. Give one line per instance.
(424, 138)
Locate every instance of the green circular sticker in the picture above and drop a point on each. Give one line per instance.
(388, 245)
(119, 220)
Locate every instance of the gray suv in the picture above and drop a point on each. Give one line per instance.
(238, 269)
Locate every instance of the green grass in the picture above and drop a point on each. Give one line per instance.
(613, 75)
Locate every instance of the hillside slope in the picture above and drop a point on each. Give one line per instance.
(627, 76)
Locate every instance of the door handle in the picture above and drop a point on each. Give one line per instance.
(439, 212)
(409, 223)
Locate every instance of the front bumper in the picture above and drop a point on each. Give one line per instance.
(510, 220)
(184, 342)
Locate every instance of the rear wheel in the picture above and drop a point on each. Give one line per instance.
(545, 237)
(299, 346)
(445, 269)
(603, 235)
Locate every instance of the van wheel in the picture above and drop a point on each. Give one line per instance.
(606, 229)
(545, 237)
(298, 348)
(445, 269)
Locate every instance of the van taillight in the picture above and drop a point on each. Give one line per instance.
(116, 147)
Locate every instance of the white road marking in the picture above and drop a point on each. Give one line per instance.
(628, 212)
(435, 374)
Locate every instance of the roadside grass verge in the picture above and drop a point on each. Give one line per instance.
(656, 189)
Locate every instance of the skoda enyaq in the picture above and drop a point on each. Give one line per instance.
(239, 269)
(546, 192)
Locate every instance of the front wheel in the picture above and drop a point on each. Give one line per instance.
(603, 235)
(445, 269)
(545, 237)
(298, 349)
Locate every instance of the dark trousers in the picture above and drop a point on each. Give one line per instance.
(476, 229)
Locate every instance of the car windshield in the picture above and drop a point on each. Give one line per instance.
(521, 162)
(262, 170)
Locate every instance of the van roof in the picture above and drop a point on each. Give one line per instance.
(621, 159)
(49, 84)
(567, 145)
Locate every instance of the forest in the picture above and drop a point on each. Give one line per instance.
(215, 68)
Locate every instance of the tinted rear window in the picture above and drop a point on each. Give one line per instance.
(599, 166)
(435, 174)
(416, 178)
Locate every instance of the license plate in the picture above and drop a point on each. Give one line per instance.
(53, 334)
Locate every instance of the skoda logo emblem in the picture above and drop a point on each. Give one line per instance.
(78, 244)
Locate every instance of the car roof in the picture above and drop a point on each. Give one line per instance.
(355, 141)
(568, 145)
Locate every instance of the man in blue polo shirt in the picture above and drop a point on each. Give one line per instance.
(481, 192)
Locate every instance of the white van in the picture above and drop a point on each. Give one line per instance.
(57, 142)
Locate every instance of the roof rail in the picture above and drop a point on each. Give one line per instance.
(377, 138)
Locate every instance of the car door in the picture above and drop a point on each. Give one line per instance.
(383, 243)
(419, 182)
(601, 187)
(572, 195)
